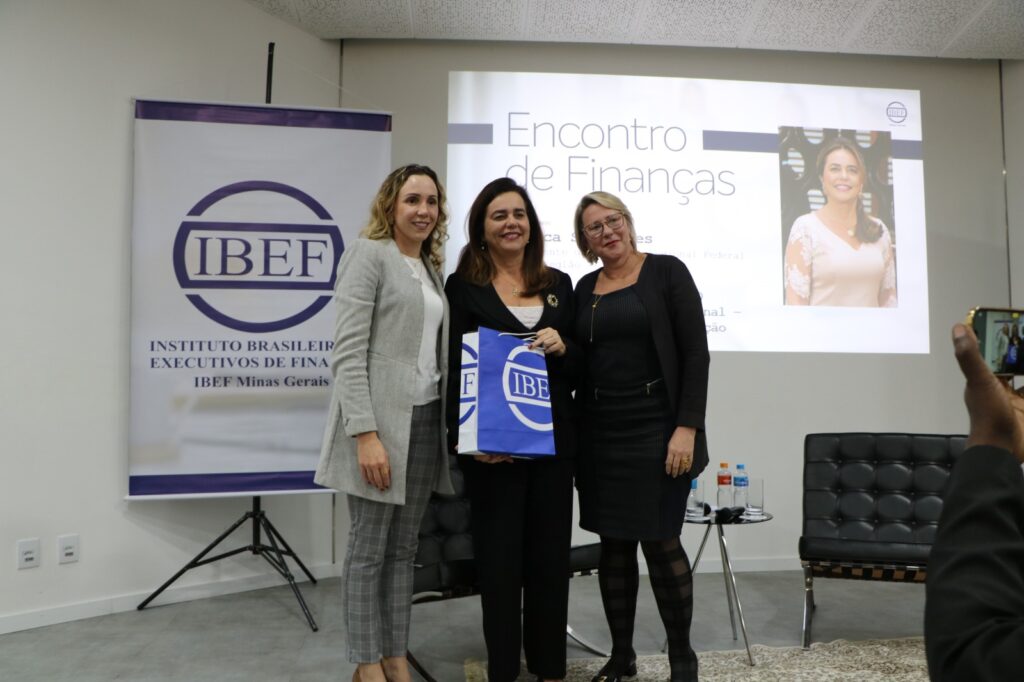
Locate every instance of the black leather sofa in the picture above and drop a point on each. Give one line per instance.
(871, 506)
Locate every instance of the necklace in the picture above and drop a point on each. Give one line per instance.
(593, 310)
(516, 291)
(838, 224)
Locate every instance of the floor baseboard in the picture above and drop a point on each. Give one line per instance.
(65, 613)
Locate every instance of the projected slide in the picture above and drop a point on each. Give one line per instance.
(799, 209)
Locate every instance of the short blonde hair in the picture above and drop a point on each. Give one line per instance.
(608, 201)
(382, 212)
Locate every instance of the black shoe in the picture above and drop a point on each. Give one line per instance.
(683, 672)
(613, 671)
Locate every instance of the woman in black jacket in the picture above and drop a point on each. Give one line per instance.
(640, 323)
(521, 508)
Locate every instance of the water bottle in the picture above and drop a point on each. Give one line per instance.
(724, 486)
(694, 506)
(740, 486)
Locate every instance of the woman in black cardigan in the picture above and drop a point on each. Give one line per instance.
(521, 508)
(641, 325)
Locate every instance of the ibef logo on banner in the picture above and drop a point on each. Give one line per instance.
(527, 392)
(257, 276)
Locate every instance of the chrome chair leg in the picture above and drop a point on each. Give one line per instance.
(569, 632)
(809, 606)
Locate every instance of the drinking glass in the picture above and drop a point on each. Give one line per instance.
(755, 498)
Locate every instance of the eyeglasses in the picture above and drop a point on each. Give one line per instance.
(613, 222)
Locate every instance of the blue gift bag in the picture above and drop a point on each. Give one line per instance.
(505, 401)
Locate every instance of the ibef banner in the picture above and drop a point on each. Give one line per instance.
(240, 215)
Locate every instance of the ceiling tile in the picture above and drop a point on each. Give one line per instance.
(356, 18)
(807, 25)
(693, 22)
(494, 19)
(279, 8)
(913, 27)
(998, 30)
(593, 21)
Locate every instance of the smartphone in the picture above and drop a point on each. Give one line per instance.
(1000, 333)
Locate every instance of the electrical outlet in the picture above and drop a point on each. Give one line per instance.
(67, 548)
(28, 553)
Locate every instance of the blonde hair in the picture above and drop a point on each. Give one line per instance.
(382, 212)
(608, 201)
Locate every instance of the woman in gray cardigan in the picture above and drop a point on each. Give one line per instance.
(384, 442)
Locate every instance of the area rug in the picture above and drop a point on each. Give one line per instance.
(881, 660)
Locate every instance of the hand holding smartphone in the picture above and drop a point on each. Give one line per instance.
(1000, 333)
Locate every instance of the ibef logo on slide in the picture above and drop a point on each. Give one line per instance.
(896, 112)
(257, 275)
(527, 392)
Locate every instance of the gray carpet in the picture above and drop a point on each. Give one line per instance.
(879, 660)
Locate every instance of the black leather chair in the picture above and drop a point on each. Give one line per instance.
(871, 506)
(444, 559)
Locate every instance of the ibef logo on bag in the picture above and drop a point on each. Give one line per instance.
(257, 275)
(527, 392)
(468, 383)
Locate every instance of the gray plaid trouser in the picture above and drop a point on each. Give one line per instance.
(377, 576)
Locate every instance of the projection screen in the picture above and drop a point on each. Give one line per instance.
(725, 175)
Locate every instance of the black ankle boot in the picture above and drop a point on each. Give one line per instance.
(683, 671)
(614, 671)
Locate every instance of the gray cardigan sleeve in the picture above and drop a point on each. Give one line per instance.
(355, 295)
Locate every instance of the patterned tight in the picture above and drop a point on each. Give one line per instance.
(672, 583)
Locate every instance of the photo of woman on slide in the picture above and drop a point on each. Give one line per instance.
(838, 254)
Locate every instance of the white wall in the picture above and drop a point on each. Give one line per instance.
(1013, 120)
(69, 70)
(761, 405)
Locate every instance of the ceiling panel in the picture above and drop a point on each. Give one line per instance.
(592, 21)
(973, 29)
(921, 27)
(999, 29)
(491, 20)
(807, 25)
(377, 19)
(696, 22)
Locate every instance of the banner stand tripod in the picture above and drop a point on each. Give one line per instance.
(274, 553)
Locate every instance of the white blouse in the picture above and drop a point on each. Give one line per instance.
(824, 269)
(428, 376)
(529, 315)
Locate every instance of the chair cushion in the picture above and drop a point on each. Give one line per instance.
(874, 496)
(584, 557)
(827, 549)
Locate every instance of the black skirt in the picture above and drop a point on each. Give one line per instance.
(624, 491)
